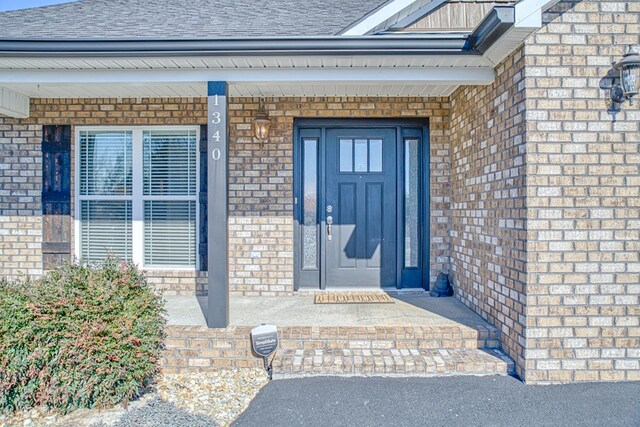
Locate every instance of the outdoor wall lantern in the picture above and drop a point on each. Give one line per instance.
(627, 84)
(261, 123)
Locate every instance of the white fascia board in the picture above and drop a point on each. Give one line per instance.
(376, 18)
(13, 104)
(528, 19)
(529, 12)
(431, 75)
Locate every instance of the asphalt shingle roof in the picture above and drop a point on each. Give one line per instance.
(173, 19)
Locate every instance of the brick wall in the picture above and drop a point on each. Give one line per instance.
(21, 172)
(261, 182)
(583, 194)
(20, 189)
(260, 178)
(488, 213)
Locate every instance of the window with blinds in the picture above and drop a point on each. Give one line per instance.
(170, 197)
(106, 229)
(169, 233)
(169, 163)
(106, 187)
(147, 177)
(106, 163)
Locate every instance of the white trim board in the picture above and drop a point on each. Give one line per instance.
(528, 19)
(529, 12)
(528, 15)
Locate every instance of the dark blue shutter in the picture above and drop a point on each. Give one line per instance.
(202, 197)
(56, 195)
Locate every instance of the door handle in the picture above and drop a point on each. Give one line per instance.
(329, 224)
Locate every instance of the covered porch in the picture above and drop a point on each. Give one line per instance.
(254, 215)
(382, 102)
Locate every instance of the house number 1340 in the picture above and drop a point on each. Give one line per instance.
(217, 124)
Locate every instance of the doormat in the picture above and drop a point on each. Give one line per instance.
(353, 298)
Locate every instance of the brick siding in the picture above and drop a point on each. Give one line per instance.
(260, 179)
(488, 236)
(261, 182)
(583, 196)
(21, 173)
(20, 193)
(535, 193)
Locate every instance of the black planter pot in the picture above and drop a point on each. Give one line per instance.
(442, 287)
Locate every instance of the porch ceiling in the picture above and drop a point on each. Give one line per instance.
(422, 76)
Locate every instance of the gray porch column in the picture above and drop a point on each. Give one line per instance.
(217, 214)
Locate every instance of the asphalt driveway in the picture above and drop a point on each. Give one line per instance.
(445, 401)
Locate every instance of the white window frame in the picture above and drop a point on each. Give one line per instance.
(137, 197)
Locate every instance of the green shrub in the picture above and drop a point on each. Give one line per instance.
(81, 336)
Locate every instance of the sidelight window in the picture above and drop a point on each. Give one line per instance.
(137, 195)
(310, 204)
(411, 203)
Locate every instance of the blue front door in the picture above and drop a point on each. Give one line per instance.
(359, 236)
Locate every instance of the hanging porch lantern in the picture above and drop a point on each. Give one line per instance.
(628, 81)
(261, 123)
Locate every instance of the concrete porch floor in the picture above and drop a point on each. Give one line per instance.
(409, 309)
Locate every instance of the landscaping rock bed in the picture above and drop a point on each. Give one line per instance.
(175, 400)
(221, 395)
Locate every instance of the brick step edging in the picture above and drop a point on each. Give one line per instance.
(198, 347)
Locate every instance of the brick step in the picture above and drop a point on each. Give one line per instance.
(394, 362)
(198, 347)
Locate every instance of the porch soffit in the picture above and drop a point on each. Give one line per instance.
(405, 75)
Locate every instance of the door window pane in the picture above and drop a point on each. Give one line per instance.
(411, 203)
(105, 163)
(346, 155)
(310, 204)
(375, 155)
(360, 156)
